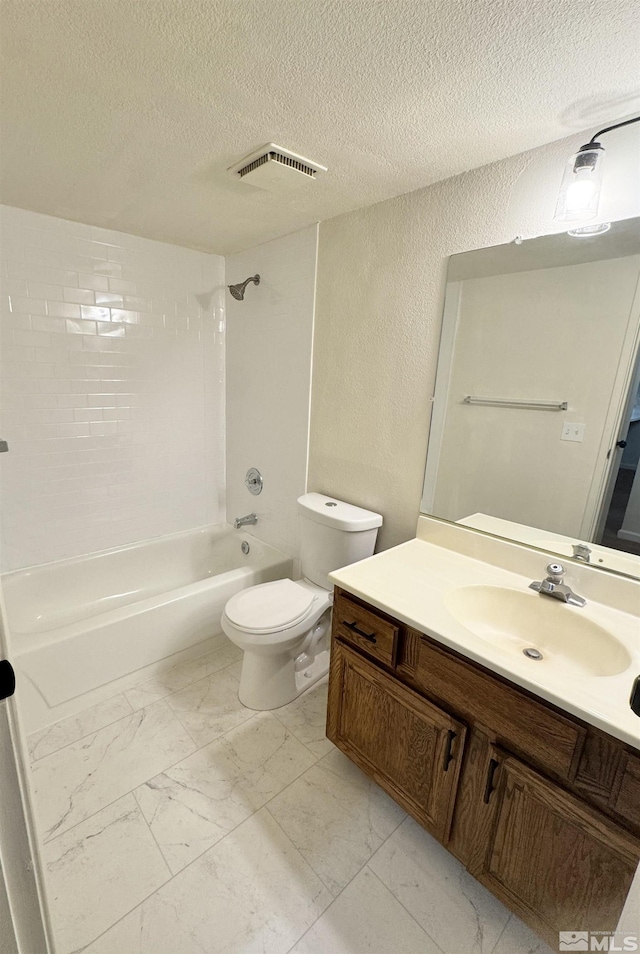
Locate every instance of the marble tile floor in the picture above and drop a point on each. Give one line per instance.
(176, 821)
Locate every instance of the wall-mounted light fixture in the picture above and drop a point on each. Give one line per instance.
(582, 181)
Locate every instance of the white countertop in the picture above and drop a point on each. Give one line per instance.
(410, 582)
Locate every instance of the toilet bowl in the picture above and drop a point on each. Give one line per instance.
(283, 627)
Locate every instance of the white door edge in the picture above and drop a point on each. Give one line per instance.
(618, 417)
(20, 855)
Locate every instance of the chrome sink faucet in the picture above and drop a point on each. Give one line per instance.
(554, 586)
(249, 521)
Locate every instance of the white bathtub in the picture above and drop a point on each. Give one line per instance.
(80, 624)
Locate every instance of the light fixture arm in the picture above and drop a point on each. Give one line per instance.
(601, 132)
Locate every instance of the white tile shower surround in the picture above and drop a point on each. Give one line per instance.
(112, 379)
(268, 353)
(179, 822)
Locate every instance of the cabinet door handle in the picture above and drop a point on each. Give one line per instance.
(491, 773)
(371, 637)
(448, 749)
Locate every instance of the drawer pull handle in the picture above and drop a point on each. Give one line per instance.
(371, 637)
(448, 750)
(491, 773)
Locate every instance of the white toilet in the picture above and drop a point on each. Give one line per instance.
(283, 627)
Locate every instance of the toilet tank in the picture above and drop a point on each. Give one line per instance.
(333, 534)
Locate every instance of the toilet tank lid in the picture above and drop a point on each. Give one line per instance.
(338, 514)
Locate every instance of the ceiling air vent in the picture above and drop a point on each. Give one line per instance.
(276, 169)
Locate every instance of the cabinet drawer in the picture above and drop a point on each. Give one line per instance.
(519, 722)
(366, 631)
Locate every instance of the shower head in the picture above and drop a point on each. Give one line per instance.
(238, 290)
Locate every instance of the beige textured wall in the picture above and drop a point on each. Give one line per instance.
(380, 289)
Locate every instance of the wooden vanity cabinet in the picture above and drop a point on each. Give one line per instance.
(541, 808)
(409, 746)
(550, 857)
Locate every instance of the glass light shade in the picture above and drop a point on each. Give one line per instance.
(581, 184)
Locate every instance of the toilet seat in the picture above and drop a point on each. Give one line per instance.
(270, 607)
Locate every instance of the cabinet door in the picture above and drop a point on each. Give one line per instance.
(560, 864)
(407, 745)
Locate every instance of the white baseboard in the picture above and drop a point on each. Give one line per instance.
(629, 535)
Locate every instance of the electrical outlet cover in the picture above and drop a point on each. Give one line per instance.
(572, 432)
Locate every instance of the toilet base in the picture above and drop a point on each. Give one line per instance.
(269, 682)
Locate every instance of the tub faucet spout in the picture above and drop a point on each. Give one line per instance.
(250, 520)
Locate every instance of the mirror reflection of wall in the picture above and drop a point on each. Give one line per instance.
(551, 321)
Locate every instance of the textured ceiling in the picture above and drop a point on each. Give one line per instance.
(126, 113)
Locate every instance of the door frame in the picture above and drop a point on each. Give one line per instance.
(30, 930)
(616, 428)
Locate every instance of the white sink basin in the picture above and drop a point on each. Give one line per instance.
(517, 621)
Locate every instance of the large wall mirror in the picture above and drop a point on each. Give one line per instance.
(535, 431)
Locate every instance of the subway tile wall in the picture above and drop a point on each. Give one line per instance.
(112, 388)
(269, 347)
